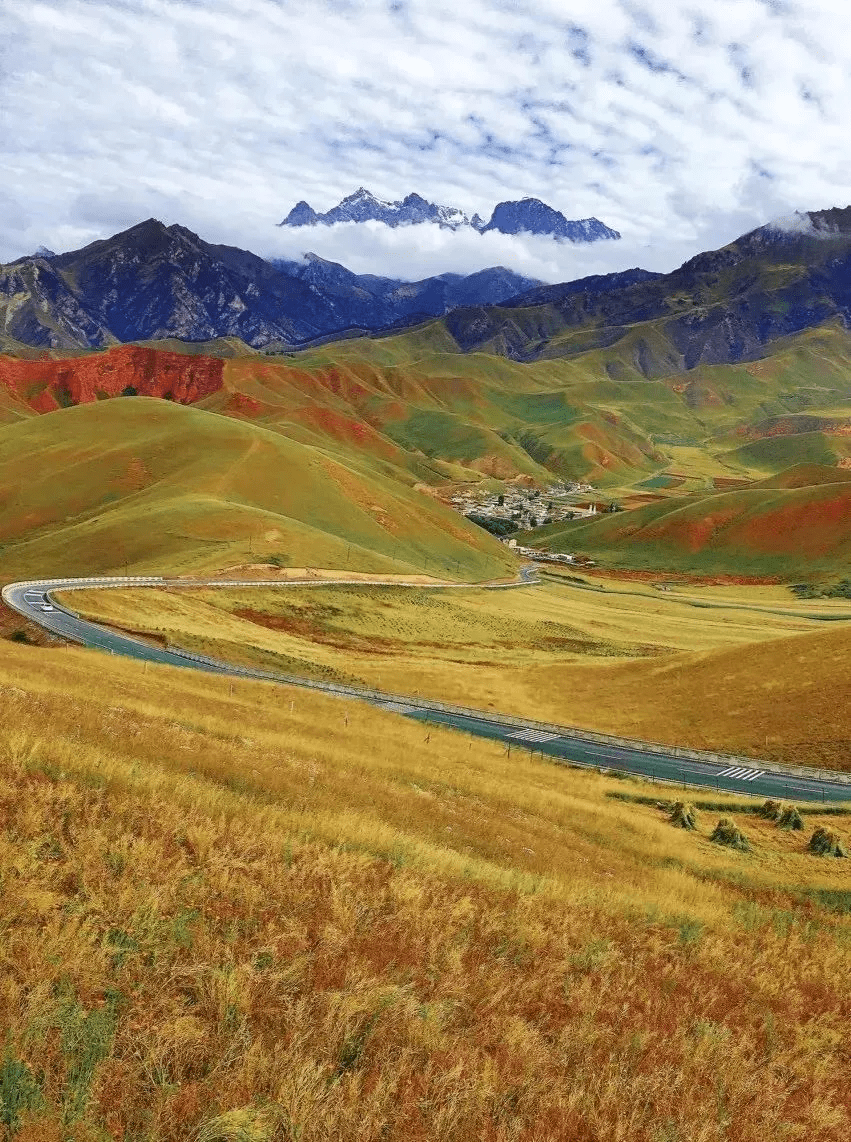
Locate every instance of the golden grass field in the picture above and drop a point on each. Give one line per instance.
(744, 670)
(240, 912)
(236, 912)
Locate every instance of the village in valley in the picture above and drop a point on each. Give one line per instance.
(521, 508)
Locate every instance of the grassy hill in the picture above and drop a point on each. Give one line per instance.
(594, 415)
(414, 404)
(151, 485)
(777, 528)
(252, 914)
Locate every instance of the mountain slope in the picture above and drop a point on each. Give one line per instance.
(374, 302)
(153, 282)
(157, 486)
(781, 528)
(130, 370)
(722, 306)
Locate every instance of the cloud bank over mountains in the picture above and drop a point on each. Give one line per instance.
(681, 125)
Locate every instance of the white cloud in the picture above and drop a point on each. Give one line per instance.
(413, 252)
(680, 125)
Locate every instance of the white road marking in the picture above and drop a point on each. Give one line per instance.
(741, 773)
(534, 736)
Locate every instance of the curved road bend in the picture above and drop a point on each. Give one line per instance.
(35, 601)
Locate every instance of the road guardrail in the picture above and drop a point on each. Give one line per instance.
(566, 732)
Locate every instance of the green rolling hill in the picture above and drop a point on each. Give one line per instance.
(797, 525)
(151, 486)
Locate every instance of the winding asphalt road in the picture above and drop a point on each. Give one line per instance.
(36, 601)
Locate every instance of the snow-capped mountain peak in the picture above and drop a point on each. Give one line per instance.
(528, 215)
(364, 206)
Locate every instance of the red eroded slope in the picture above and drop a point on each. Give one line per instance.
(46, 385)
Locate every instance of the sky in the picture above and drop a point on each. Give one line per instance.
(681, 124)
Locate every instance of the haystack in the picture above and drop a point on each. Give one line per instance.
(684, 816)
(790, 818)
(824, 842)
(728, 833)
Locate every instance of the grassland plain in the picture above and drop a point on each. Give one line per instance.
(237, 912)
(747, 671)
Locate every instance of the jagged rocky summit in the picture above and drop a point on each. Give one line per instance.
(526, 215)
(531, 216)
(363, 206)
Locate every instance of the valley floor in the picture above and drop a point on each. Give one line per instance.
(737, 670)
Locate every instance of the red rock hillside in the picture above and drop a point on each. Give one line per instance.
(46, 385)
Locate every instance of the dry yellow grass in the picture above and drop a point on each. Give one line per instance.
(765, 681)
(269, 914)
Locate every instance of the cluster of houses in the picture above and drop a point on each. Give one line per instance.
(547, 556)
(525, 508)
(542, 556)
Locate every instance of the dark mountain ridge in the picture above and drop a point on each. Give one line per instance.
(153, 282)
(719, 307)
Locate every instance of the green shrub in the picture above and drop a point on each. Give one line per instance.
(20, 1090)
(824, 842)
(772, 810)
(728, 833)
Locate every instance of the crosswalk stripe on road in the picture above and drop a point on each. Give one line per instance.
(741, 773)
(534, 736)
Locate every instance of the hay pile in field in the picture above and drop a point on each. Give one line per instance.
(684, 815)
(728, 833)
(791, 818)
(784, 816)
(825, 842)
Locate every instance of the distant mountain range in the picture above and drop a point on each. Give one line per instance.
(526, 215)
(153, 282)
